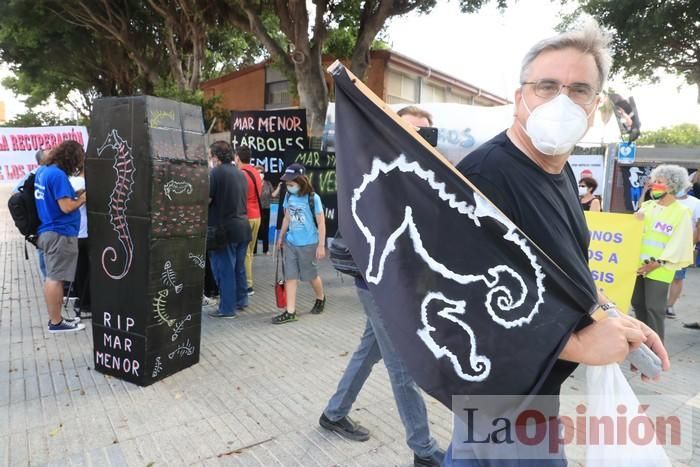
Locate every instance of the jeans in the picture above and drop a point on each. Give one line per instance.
(375, 345)
(450, 462)
(228, 267)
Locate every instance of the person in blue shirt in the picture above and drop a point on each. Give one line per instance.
(58, 205)
(303, 240)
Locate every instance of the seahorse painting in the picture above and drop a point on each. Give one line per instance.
(118, 201)
(168, 277)
(159, 311)
(177, 188)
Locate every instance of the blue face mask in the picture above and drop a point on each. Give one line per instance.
(293, 189)
(681, 194)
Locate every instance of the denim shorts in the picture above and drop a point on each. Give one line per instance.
(680, 274)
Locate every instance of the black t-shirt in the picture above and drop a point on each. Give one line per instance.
(228, 191)
(547, 209)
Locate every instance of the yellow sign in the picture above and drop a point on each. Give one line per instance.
(613, 255)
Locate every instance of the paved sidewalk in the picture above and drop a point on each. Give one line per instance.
(254, 398)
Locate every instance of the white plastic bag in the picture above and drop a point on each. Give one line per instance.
(608, 391)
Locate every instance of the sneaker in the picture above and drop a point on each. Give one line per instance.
(216, 314)
(75, 320)
(318, 307)
(251, 291)
(345, 427)
(209, 301)
(65, 326)
(670, 314)
(434, 460)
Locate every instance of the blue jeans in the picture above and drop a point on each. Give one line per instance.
(228, 267)
(450, 462)
(375, 345)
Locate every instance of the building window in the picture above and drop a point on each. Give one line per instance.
(432, 93)
(277, 95)
(400, 89)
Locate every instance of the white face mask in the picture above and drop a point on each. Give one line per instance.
(582, 191)
(556, 126)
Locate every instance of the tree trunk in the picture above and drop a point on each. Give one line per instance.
(313, 93)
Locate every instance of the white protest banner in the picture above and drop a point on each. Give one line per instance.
(18, 147)
(461, 128)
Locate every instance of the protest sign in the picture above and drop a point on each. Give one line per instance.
(18, 147)
(268, 134)
(320, 169)
(613, 255)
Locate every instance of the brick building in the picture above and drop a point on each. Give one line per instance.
(392, 76)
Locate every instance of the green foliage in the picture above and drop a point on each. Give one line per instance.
(686, 134)
(211, 108)
(651, 35)
(32, 118)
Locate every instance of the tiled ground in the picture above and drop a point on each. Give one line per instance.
(254, 398)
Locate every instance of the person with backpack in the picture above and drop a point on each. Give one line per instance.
(253, 206)
(302, 240)
(23, 218)
(58, 204)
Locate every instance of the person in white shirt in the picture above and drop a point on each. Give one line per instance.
(676, 288)
(81, 285)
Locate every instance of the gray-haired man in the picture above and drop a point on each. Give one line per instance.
(561, 79)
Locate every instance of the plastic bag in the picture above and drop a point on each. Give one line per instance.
(609, 393)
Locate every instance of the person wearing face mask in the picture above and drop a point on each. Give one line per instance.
(586, 188)
(667, 244)
(303, 238)
(560, 81)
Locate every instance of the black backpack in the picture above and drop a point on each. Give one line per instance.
(341, 259)
(23, 210)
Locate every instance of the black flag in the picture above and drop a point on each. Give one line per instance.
(472, 305)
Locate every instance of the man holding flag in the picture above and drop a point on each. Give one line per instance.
(561, 78)
(481, 303)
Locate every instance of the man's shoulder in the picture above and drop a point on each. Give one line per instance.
(490, 158)
(51, 173)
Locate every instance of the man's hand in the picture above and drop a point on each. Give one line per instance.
(320, 252)
(603, 342)
(653, 341)
(279, 244)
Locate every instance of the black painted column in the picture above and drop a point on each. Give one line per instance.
(147, 191)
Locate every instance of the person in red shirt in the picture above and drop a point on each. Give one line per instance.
(243, 156)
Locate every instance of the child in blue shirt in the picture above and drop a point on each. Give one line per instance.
(302, 239)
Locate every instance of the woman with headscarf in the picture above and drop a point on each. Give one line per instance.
(667, 244)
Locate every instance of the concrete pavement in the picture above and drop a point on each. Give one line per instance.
(254, 398)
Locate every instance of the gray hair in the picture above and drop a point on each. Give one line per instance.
(676, 177)
(589, 39)
(40, 156)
